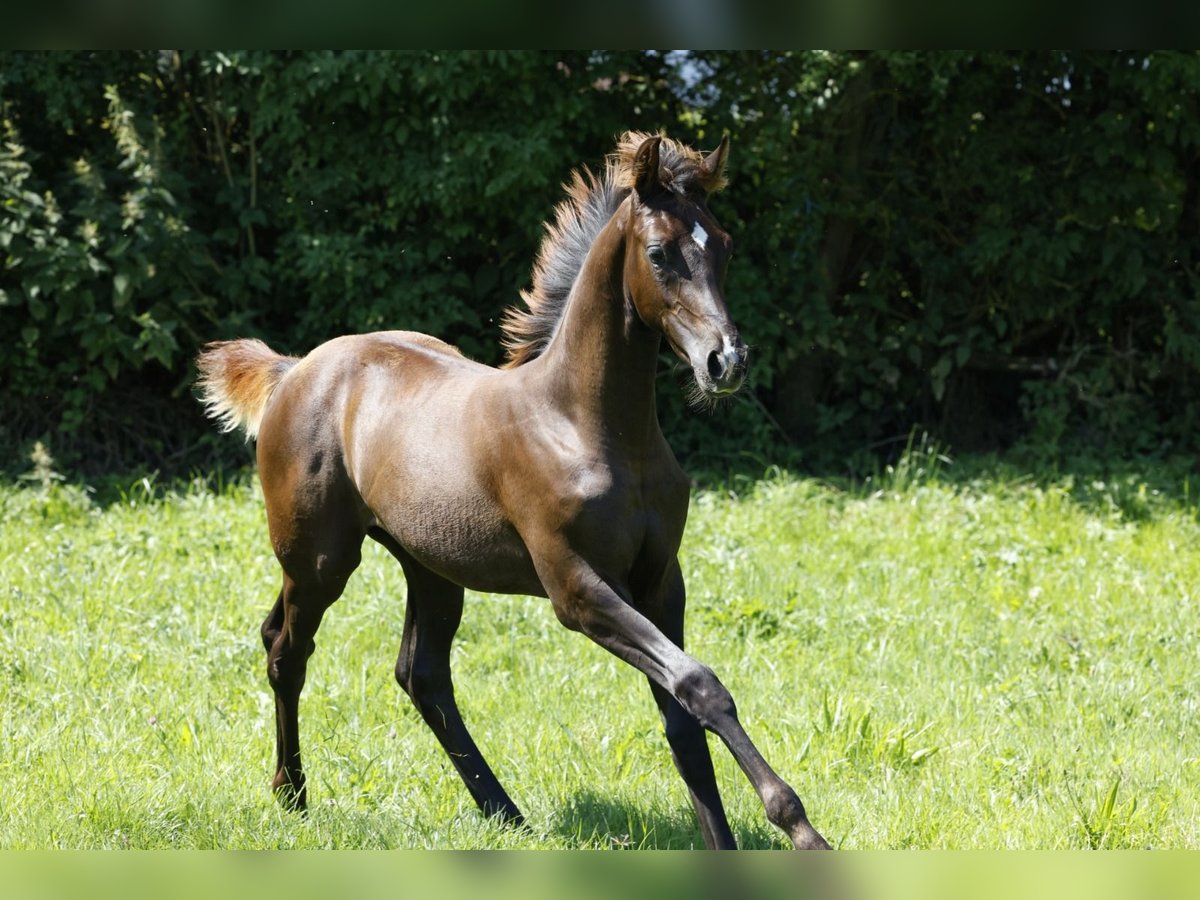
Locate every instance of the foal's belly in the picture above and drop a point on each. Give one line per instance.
(460, 537)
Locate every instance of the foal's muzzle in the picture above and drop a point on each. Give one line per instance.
(727, 367)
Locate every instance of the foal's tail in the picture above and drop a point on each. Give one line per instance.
(236, 381)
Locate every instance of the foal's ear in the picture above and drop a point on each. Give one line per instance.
(713, 168)
(647, 178)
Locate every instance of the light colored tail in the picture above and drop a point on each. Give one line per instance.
(236, 380)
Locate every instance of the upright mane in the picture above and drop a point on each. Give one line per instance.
(578, 219)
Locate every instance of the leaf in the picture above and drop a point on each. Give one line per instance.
(1110, 802)
(938, 374)
(120, 290)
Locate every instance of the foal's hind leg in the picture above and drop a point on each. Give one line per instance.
(272, 626)
(310, 585)
(431, 618)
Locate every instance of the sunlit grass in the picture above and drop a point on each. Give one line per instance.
(932, 659)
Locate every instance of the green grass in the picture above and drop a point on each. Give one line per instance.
(935, 658)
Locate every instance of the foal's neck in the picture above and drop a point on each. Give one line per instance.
(602, 359)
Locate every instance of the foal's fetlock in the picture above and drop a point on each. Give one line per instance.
(805, 837)
(786, 812)
(290, 791)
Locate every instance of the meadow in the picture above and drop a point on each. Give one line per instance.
(943, 656)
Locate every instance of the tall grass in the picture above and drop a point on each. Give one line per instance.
(941, 656)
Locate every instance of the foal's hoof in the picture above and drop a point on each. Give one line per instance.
(805, 837)
(291, 794)
(506, 814)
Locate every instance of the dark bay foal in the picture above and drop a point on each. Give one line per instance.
(548, 477)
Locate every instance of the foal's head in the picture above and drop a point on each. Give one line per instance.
(675, 259)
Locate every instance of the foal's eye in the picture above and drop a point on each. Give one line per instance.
(658, 256)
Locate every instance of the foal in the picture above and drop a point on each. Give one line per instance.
(549, 476)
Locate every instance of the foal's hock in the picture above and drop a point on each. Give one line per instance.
(549, 476)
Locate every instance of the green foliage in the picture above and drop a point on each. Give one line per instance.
(97, 256)
(997, 247)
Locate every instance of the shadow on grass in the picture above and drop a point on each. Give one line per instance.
(54, 499)
(589, 819)
(1137, 489)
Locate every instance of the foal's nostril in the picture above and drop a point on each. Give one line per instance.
(716, 365)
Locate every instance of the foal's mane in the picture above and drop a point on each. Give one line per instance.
(591, 201)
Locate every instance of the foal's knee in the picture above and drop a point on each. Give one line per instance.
(784, 809)
(701, 693)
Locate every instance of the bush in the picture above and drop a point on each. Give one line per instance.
(995, 246)
(998, 246)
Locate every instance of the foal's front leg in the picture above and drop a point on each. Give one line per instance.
(584, 602)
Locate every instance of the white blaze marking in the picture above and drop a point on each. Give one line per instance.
(699, 235)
